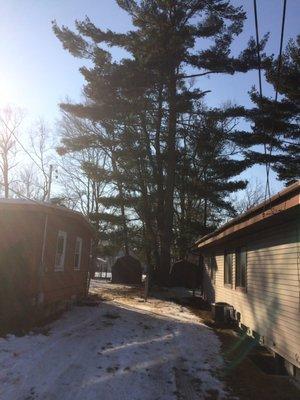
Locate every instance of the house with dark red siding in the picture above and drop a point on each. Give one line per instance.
(44, 259)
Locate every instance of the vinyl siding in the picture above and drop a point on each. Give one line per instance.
(270, 305)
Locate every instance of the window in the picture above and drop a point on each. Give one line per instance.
(77, 256)
(228, 268)
(212, 267)
(241, 267)
(60, 251)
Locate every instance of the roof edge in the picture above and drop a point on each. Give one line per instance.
(46, 207)
(277, 199)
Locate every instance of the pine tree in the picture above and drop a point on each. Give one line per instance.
(276, 122)
(145, 94)
(206, 176)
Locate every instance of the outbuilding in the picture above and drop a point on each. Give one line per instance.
(184, 273)
(44, 258)
(252, 264)
(127, 270)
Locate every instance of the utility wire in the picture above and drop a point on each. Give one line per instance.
(258, 49)
(23, 148)
(280, 49)
(268, 164)
(21, 195)
(27, 152)
(267, 189)
(31, 157)
(279, 64)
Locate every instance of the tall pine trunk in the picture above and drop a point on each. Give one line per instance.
(167, 238)
(122, 206)
(159, 175)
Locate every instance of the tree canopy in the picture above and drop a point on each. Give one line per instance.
(171, 162)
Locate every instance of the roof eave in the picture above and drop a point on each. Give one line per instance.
(278, 203)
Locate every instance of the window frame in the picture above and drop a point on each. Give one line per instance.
(227, 253)
(61, 266)
(238, 252)
(78, 240)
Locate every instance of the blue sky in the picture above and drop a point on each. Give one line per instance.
(36, 73)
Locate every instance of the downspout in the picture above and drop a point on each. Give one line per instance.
(92, 261)
(40, 294)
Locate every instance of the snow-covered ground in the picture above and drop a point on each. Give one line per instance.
(122, 349)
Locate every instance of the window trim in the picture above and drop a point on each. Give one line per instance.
(78, 240)
(239, 287)
(61, 267)
(226, 253)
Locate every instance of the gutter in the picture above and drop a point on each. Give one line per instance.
(286, 197)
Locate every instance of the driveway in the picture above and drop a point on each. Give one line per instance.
(124, 348)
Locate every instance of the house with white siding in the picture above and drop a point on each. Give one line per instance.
(252, 263)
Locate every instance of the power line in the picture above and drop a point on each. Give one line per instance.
(267, 189)
(280, 49)
(33, 160)
(27, 152)
(23, 148)
(22, 195)
(258, 49)
(279, 63)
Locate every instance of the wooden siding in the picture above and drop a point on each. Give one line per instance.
(24, 229)
(68, 283)
(270, 305)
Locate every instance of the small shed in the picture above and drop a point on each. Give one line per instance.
(252, 264)
(184, 273)
(127, 270)
(44, 258)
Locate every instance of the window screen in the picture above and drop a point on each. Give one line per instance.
(241, 267)
(60, 251)
(77, 256)
(228, 268)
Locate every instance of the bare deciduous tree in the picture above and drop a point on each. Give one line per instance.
(28, 184)
(33, 176)
(10, 121)
(42, 150)
(253, 195)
